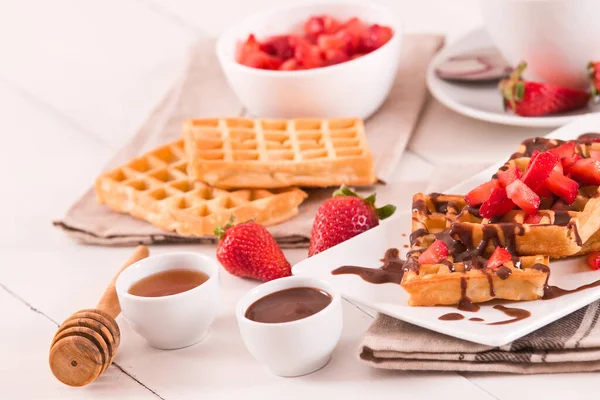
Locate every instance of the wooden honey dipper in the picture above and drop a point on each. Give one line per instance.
(85, 344)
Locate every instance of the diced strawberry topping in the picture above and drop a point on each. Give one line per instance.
(335, 56)
(595, 154)
(278, 46)
(497, 204)
(568, 162)
(434, 253)
(593, 260)
(262, 60)
(289, 65)
(586, 171)
(481, 193)
(336, 41)
(539, 169)
(326, 41)
(498, 258)
(316, 26)
(564, 150)
(376, 36)
(508, 176)
(562, 186)
(250, 46)
(533, 219)
(307, 54)
(523, 196)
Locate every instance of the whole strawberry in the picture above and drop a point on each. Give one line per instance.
(344, 216)
(531, 99)
(248, 250)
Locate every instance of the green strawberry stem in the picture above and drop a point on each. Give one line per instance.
(513, 88)
(220, 230)
(382, 213)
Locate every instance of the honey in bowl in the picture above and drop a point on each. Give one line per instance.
(288, 305)
(167, 283)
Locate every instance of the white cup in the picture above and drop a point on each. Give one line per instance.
(557, 38)
(292, 348)
(175, 321)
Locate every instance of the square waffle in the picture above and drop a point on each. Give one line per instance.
(155, 187)
(564, 230)
(463, 277)
(261, 153)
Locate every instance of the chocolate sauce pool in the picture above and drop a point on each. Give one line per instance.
(391, 271)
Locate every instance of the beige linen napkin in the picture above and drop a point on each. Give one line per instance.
(571, 344)
(202, 91)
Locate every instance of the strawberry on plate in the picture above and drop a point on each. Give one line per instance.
(564, 150)
(497, 204)
(508, 176)
(564, 187)
(525, 198)
(248, 250)
(593, 260)
(481, 193)
(530, 99)
(586, 171)
(539, 169)
(568, 162)
(498, 258)
(435, 253)
(344, 216)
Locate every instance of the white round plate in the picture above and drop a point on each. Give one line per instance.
(481, 100)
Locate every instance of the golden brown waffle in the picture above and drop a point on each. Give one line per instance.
(261, 153)
(564, 230)
(156, 187)
(454, 280)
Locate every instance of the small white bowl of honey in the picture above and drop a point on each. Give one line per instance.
(170, 299)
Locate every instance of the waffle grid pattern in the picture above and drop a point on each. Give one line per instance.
(156, 187)
(238, 152)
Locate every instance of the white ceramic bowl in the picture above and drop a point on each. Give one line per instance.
(557, 38)
(179, 320)
(292, 348)
(354, 88)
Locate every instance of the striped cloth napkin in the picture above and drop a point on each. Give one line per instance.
(571, 344)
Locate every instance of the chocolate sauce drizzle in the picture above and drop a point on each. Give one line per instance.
(451, 317)
(391, 271)
(552, 292)
(517, 314)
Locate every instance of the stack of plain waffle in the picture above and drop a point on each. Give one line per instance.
(245, 168)
(562, 231)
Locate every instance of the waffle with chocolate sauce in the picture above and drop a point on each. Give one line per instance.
(463, 278)
(563, 230)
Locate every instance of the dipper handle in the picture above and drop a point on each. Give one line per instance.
(109, 303)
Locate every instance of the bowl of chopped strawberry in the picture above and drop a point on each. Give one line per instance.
(320, 60)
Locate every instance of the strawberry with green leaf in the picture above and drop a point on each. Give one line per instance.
(344, 216)
(531, 99)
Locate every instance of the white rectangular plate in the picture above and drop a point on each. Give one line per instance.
(367, 249)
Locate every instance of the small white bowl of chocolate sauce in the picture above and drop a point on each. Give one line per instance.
(170, 299)
(291, 325)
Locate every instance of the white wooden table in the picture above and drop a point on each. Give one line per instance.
(77, 77)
